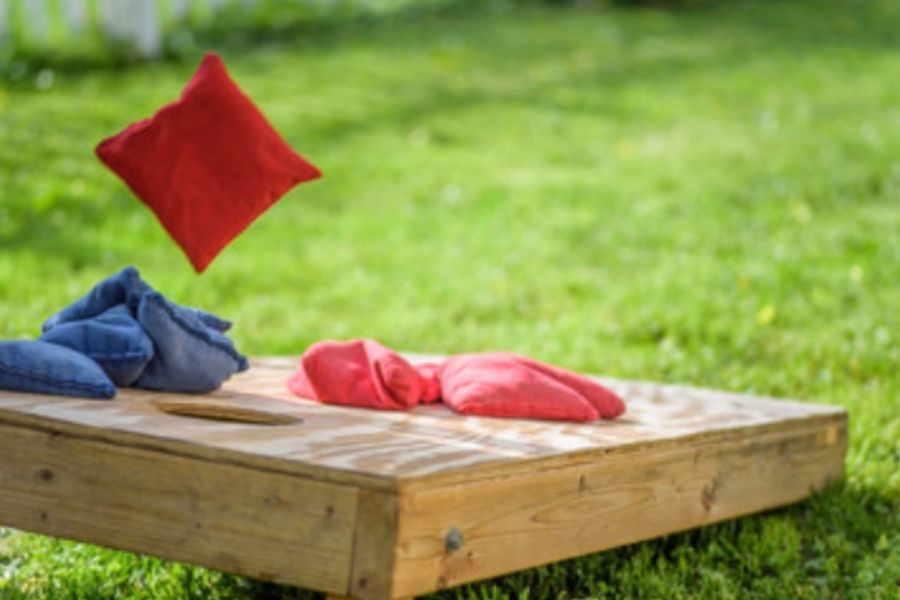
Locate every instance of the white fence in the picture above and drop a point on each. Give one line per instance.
(141, 24)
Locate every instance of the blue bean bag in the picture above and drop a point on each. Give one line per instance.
(121, 315)
(44, 368)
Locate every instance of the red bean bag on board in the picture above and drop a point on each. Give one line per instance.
(364, 373)
(360, 373)
(499, 384)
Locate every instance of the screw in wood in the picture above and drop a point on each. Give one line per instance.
(454, 540)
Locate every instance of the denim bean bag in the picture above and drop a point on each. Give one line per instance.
(125, 287)
(43, 368)
(190, 355)
(122, 314)
(114, 339)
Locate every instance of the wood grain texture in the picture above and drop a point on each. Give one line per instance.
(384, 450)
(373, 556)
(385, 505)
(269, 526)
(549, 514)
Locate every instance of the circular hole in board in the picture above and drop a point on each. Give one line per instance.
(219, 411)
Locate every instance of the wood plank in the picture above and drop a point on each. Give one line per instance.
(134, 419)
(510, 523)
(373, 557)
(384, 450)
(270, 526)
(381, 505)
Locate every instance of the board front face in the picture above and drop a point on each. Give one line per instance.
(271, 526)
(385, 449)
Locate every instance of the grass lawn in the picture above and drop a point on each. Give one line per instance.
(709, 196)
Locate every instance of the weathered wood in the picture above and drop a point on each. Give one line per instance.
(270, 526)
(382, 449)
(384, 505)
(373, 556)
(506, 524)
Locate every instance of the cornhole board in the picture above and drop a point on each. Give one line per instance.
(381, 505)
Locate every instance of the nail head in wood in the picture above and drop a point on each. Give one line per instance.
(454, 540)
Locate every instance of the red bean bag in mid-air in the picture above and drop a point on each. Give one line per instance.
(207, 164)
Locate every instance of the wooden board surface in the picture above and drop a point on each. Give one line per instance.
(381, 505)
(384, 450)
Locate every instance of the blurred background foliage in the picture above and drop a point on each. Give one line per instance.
(37, 35)
(67, 34)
